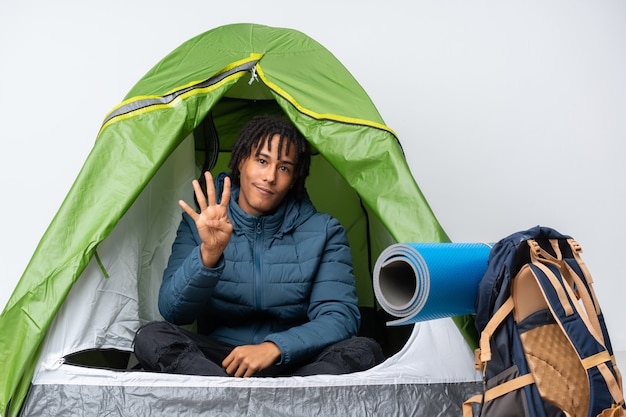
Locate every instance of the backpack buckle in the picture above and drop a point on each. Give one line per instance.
(534, 246)
(478, 363)
(575, 246)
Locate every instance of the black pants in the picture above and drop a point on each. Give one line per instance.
(163, 347)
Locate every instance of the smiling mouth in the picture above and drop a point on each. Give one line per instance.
(263, 190)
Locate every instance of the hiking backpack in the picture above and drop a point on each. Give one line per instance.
(544, 347)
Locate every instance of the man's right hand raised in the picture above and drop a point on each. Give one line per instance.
(213, 223)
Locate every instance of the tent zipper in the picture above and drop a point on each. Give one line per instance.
(139, 104)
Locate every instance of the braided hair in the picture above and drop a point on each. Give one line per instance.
(253, 137)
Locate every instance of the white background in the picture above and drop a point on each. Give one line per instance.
(511, 113)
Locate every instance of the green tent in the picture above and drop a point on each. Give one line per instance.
(193, 102)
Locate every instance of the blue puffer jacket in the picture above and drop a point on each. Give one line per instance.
(285, 278)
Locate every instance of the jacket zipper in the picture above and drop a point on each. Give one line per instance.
(258, 246)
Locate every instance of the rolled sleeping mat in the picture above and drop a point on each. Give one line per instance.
(425, 281)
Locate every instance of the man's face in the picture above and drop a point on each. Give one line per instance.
(264, 179)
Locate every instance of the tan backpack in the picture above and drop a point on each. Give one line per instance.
(544, 347)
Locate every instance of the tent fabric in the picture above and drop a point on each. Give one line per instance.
(137, 141)
(415, 381)
(359, 401)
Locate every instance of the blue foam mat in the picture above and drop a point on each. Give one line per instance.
(425, 281)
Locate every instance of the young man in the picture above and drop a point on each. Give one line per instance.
(268, 278)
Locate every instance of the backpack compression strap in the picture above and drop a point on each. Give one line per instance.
(483, 355)
(497, 391)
